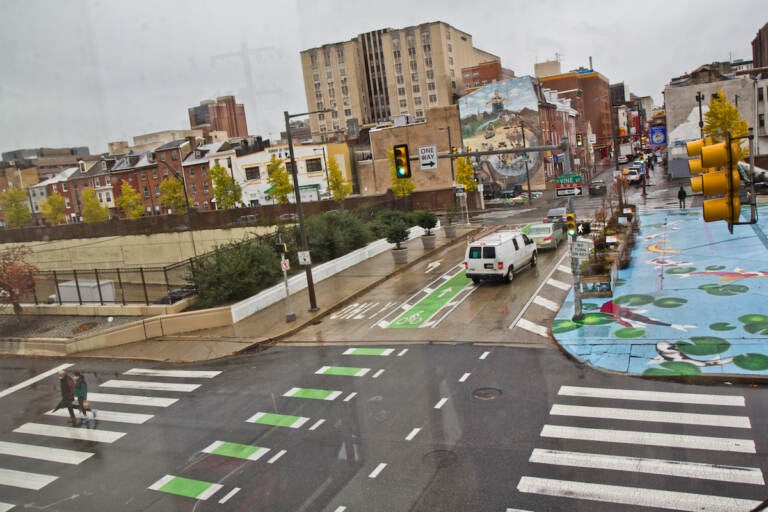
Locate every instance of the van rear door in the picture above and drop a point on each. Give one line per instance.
(481, 259)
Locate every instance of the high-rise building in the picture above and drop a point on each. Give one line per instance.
(760, 49)
(386, 73)
(220, 115)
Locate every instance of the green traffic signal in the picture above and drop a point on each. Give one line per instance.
(402, 163)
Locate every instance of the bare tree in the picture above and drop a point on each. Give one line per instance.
(16, 277)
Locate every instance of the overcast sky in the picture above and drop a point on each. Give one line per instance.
(86, 72)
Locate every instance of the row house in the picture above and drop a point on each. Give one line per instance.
(59, 184)
(197, 183)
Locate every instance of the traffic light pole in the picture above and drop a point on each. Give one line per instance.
(577, 311)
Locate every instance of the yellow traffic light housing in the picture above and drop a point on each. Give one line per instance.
(570, 223)
(402, 163)
(720, 188)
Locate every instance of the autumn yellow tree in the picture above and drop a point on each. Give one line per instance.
(723, 116)
(92, 209)
(339, 188)
(52, 208)
(279, 180)
(465, 174)
(172, 195)
(15, 204)
(130, 201)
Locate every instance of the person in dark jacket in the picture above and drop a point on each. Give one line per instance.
(81, 393)
(681, 195)
(66, 386)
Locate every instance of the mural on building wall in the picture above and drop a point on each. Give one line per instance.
(491, 118)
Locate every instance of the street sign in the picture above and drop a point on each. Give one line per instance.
(428, 158)
(592, 138)
(304, 258)
(285, 265)
(568, 179)
(581, 249)
(583, 228)
(574, 191)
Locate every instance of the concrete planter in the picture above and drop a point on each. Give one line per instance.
(400, 255)
(450, 230)
(428, 241)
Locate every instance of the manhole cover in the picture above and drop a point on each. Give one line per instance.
(440, 458)
(486, 393)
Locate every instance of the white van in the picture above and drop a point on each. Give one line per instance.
(499, 256)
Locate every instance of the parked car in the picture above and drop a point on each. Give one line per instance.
(499, 256)
(247, 219)
(597, 188)
(622, 159)
(557, 217)
(545, 235)
(288, 216)
(633, 176)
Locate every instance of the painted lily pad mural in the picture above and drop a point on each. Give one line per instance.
(561, 326)
(673, 368)
(703, 346)
(629, 333)
(633, 300)
(722, 326)
(755, 323)
(670, 302)
(752, 362)
(596, 319)
(715, 267)
(680, 270)
(724, 290)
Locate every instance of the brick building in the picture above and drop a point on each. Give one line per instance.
(223, 114)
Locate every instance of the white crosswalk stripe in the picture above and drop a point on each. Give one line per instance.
(179, 374)
(24, 479)
(605, 405)
(5, 507)
(118, 417)
(31, 451)
(151, 386)
(147, 401)
(99, 436)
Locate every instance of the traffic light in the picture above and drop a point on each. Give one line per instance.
(570, 223)
(579, 140)
(402, 164)
(718, 179)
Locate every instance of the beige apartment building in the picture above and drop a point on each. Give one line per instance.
(386, 73)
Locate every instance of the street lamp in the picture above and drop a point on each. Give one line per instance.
(325, 162)
(299, 210)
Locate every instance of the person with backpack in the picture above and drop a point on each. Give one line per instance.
(81, 393)
(66, 386)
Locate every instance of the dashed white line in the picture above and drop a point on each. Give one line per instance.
(229, 495)
(441, 403)
(532, 327)
(378, 470)
(464, 377)
(413, 434)
(550, 305)
(317, 424)
(276, 456)
(565, 268)
(350, 396)
(340, 509)
(402, 352)
(558, 284)
(484, 355)
(377, 374)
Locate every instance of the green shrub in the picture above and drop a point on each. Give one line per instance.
(331, 235)
(426, 220)
(384, 219)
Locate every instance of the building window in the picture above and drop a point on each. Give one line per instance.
(108, 197)
(427, 48)
(419, 114)
(396, 54)
(760, 96)
(205, 187)
(203, 171)
(63, 187)
(319, 105)
(144, 176)
(154, 173)
(146, 192)
(412, 65)
(67, 204)
(206, 206)
(761, 120)
(321, 117)
(314, 165)
(398, 68)
(411, 52)
(340, 53)
(431, 86)
(401, 91)
(289, 166)
(334, 114)
(450, 61)
(318, 95)
(344, 90)
(448, 34)
(174, 155)
(252, 173)
(191, 172)
(403, 103)
(327, 56)
(433, 98)
(430, 73)
(194, 189)
(157, 190)
(416, 88)
(417, 100)
(162, 157)
(348, 112)
(165, 174)
(313, 59)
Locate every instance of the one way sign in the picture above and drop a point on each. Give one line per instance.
(428, 158)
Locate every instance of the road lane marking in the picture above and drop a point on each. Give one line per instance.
(484, 355)
(229, 495)
(236, 450)
(317, 424)
(378, 470)
(565, 268)
(413, 434)
(368, 351)
(546, 303)
(636, 496)
(84, 434)
(179, 374)
(25, 480)
(735, 474)
(46, 453)
(117, 417)
(653, 396)
(344, 371)
(531, 327)
(340, 509)
(196, 489)
(36, 378)
(464, 377)
(5, 507)
(277, 420)
(276, 456)
(148, 401)
(430, 305)
(151, 386)
(350, 396)
(712, 420)
(378, 374)
(558, 284)
(402, 352)
(650, 438)
(441, 403)
(314, 394)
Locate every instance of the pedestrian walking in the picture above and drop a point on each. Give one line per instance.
(66, 386)
(81, 393)
(681, 195)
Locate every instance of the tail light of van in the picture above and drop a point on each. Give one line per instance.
(466, 265)
(500, 265)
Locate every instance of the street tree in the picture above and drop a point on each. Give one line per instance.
(172, 195)
(130, 201)
(723, 116)
(279, 180)
(52, 208)
(92, 209)
(16, 277)
(339, 188)
(402, 187)
(226, 190)
(465, 174)
(14, 203)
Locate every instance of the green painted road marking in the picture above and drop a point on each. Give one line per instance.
(277, 420)
(238, 451)
(432, 303)
(368, 351)
(196, 489)
(345, 371)
(315, 394)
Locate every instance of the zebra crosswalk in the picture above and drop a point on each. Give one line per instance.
(37, 452)
(607, 439)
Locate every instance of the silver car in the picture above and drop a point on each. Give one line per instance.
(546, 235)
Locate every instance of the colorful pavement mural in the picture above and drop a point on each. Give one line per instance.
(692, 302)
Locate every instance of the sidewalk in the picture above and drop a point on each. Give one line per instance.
(692, 302)
(269, 324)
